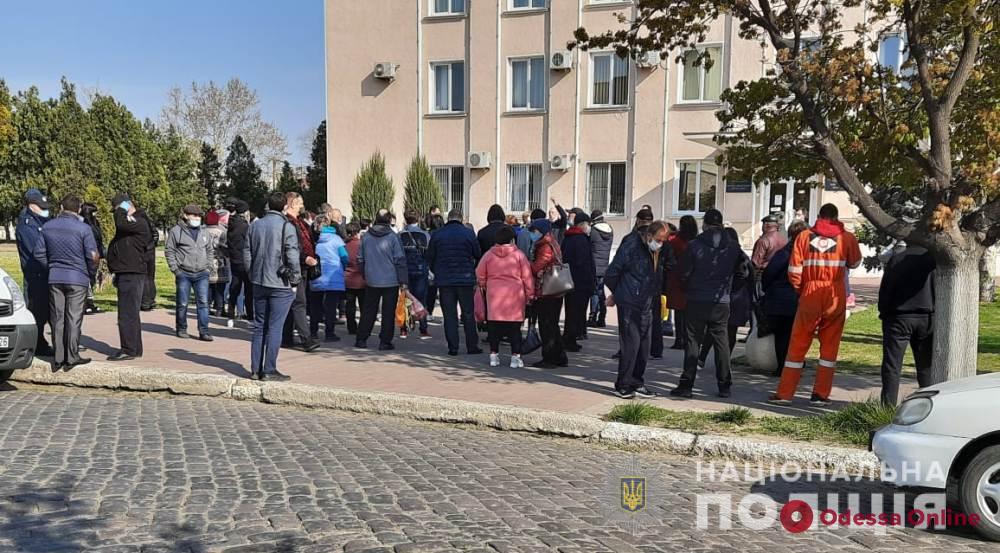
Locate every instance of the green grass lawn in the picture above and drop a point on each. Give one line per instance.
(106, 297)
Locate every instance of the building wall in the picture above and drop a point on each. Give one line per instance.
(652, 134)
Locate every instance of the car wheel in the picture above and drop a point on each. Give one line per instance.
(5, 375)
(980, 491)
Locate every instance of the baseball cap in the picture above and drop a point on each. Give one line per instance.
(35, 196)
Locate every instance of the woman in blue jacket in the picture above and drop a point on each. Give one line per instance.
(780, 299)
(333, 258)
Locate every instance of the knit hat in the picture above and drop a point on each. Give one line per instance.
(212, 218)
(541, 225)
(713, 217)
(580, 216)
(596, 214)
(537, 214)
(644, 215)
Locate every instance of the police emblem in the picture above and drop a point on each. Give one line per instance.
(633, 493)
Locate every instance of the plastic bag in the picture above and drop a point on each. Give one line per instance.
(417, 310)
(401, 310)
(760, 350)
(480, 306)
(664, 310)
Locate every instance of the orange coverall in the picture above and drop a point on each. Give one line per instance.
(818, 272)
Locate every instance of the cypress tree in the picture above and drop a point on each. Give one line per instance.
(372, 189)
(422, 191)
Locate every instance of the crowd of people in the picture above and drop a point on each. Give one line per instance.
(291, 272)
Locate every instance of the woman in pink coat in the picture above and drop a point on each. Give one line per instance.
(505, 273)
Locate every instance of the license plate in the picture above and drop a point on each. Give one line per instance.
(4, 341)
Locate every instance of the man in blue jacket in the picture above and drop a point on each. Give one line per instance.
(36, 278)
(452, 256)
(711, 268)
(635, 278)
(68, 251)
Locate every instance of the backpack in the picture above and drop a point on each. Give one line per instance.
(415, 249)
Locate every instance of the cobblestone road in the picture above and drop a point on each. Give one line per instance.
(128, 473)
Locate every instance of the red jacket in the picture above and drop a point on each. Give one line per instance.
(547, 254)
(674, 288)
(353, 277)
(307, 248)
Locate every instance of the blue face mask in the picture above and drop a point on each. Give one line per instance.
(535, 236)
(44, 213)
(126, 205)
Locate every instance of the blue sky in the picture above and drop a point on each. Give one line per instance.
(136, 50)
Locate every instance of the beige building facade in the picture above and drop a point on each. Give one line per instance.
(488, 92)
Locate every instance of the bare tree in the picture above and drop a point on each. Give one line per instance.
(216, 115)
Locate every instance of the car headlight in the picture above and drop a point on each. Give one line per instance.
(15, 292)
(913, 411)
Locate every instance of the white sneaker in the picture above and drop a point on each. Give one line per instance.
(494, 359)
(516, 363)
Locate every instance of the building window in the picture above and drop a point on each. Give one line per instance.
(524, 180)
(447, 7)
(527, 4)
(609, 77)
(697, 182)
(890, 53)
(606, 187)
(699, 84)
(452, 181)
(448, 88)
(527, 83)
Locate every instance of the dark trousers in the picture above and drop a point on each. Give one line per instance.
(66, 302)
(241, 283)
(499, 330)
(707, 321)
(451, 298)
(781, 327)
(149, 286)
(576, 316)
(917, 331)
(355, 302)
(432, 296)
(680, 335)
(634, 330)
(217, 295)
(388, 297)
(130, 287)
(314, 308)
(598, 303)
(656, 328)
(36, 292)
(418, 287)
(327, 303)
(270, 310)
(185, 283)
(547, 310)
(298, 317)
(706, 346)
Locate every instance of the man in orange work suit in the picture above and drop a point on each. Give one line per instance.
(818, 272)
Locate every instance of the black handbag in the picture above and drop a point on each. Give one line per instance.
(315, 271)
(532, 341)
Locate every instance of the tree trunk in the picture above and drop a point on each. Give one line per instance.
(987, 284)
(956, 319)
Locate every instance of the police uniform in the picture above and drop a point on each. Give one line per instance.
(36, 277)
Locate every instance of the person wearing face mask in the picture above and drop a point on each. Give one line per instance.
(576, 250)
(236, 235)
(36, 277)
(524, 242)
(127, 261)
(190, 254)
(635, 278)
(602, 236)
(713, 267)
(547, 308)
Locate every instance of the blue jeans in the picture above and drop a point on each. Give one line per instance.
(185, 282)
(270, 307)
(418, 287)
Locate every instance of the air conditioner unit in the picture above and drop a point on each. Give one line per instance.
(385, 70)
(562, 60)
(649, 59)
(561, 162)
(480, 160)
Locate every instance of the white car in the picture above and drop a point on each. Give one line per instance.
(947, 437)
(18, 334)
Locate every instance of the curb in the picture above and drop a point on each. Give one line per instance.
(591, 429)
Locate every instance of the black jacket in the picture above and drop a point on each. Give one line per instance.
(780, 298)
(128, 250)
(602, 236)
(452, 255)
(487, 237)
(236, 236)
(907, 284)
(576, 251)
(632, 278)
(712, 267)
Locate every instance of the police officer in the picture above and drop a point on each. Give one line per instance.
(36, 276)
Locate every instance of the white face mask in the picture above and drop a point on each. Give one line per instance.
(194, 222)
(655, 246)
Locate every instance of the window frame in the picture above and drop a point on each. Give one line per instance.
(702, 73)
(698, 208)
(901, 56)
(606, 209)
(432, 9)
(593, 75)
(510, 84)
(449, 201)
(527, 199)
(529, 8)
(432, 85)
